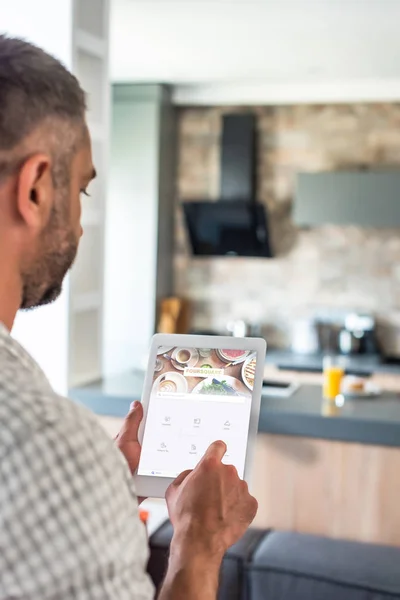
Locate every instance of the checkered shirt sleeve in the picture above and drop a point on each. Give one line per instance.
(69, 525)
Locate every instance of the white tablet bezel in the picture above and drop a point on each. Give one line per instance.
(155, 487)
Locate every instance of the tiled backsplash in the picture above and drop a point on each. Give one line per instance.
(321, 268)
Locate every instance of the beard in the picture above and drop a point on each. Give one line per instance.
(42, 282)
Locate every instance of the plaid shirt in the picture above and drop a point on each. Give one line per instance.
(69, 525)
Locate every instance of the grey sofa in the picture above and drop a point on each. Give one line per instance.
(274, 565)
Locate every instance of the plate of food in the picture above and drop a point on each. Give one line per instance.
(221, 386)
(233, 356)
(249, 371)
(164, 350)
(171, 383)
(358, 387)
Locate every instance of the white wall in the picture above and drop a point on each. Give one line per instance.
(131, 233)
(43, 22)
(44, 332)
(287, 93)
(260, 51)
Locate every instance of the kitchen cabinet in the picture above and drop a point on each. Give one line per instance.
(368, 199)
(330, 488)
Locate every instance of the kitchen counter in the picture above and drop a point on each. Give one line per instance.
(370, 421)
(373, 421)
(361, 364)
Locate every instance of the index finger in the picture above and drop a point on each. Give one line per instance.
(216, 450)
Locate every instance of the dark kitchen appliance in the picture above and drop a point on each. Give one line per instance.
(358, 335)
(349, 343)
(227, 229)
(234, 225)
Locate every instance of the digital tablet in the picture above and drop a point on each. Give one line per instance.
(198, 389)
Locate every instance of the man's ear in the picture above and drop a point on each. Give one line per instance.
(35, 191)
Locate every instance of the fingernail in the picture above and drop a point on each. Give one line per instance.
(134, 405)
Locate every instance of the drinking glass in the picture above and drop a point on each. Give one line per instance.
(333, 375)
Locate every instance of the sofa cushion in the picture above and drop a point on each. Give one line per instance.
(233, 582)
(159, 552)
(292, 566)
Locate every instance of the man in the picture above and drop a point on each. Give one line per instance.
(69, 524)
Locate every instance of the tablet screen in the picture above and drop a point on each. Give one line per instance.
(198, 396)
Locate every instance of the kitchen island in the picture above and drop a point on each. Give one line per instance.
(365, 421)
(360, 364)
(319, 468)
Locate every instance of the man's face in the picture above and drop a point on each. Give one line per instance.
(59, 241)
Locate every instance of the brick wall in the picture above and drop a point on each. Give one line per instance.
(323, 268)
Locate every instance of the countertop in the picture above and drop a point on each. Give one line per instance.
(361, 364)
(369, 421)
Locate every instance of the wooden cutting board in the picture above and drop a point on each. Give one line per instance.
(174, 316)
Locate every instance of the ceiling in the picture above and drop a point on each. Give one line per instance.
(195, 44)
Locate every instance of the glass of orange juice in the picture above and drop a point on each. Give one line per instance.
(333, 375)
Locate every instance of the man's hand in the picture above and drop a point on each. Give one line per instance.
(210, 509)
(127, 439)
(211, 504)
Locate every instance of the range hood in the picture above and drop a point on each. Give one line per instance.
(364, 198)
(234, 225)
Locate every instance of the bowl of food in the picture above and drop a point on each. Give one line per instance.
(249, 371)
(233, 355)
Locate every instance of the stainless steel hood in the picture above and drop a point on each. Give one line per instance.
(367, 198)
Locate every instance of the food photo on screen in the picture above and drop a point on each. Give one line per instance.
(204, 371)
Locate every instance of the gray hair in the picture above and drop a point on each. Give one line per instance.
(35, 89)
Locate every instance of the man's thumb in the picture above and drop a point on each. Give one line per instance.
(132, 421)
